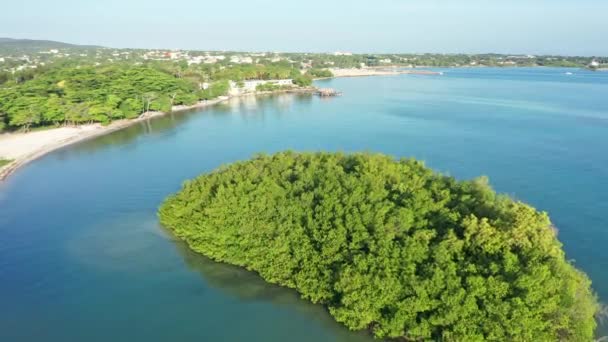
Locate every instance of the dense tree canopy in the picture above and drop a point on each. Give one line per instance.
(389, 246)
(90, 94)
(75, 94)
(319, 73)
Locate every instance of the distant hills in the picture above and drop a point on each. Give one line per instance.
(10, 45)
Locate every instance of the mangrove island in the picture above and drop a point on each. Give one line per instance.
(389, 246)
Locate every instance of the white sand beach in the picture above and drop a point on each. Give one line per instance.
(22, 148)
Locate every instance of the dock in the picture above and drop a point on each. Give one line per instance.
(328, 92)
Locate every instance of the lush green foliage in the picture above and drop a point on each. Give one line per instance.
(70, 93)
(255, 72)
(389, 246)
(272, 87)
(90, 94)
(301, 80)
(319, 73)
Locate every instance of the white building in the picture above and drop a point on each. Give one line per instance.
(250, 86)
(241, 60)
(196, 60)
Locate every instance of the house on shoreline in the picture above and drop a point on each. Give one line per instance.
(250, 86)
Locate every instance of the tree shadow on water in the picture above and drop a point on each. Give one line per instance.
(250, 287)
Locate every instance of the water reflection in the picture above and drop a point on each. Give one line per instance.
(259, 106)
(254, 107)
(117, 244)
(248, 286)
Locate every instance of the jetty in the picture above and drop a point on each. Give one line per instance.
(327, 92)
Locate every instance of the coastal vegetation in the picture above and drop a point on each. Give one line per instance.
(319, 73)
(390, 246)
(270, 87)
(45, 83)
(68, 94)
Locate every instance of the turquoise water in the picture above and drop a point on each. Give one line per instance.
(82, 256)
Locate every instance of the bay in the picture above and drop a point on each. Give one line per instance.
(82, 256)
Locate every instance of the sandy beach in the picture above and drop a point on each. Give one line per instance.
(23, 148)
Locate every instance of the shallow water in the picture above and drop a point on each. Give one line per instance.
(83, 257)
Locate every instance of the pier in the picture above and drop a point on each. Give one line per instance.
(328, 92)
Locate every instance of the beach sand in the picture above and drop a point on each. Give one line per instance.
(23, 148)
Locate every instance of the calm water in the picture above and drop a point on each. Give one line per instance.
(82, 256)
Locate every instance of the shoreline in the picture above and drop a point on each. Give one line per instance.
(384, 71)
(81, 133)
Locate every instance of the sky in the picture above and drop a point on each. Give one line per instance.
(566, 27)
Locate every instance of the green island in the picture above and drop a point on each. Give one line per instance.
(389, 246)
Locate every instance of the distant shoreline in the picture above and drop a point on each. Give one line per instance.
(388, 71)
(23, 148)
(56, 138)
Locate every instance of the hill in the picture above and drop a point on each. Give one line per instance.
(11, 45)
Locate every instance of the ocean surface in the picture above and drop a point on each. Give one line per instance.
(83, 258)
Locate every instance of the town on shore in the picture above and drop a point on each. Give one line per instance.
(54, 94)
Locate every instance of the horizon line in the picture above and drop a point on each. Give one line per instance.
(317, 52)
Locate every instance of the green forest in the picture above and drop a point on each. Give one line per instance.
(389, 246)
(74, 94)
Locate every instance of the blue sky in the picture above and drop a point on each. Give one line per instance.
(570, 27)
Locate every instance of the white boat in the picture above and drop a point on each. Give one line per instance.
(569, 73)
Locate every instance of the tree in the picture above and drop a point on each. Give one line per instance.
(2, 122)
(148, 98)
(130, 108)
(77, 113)
(26, 112)
(319, 73)
(113, 103)
(162, 104)
(54, 110)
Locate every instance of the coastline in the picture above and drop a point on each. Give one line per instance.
(384, 71)
(85, 132)
(59, 138)
(55, 139)
(49, 140)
